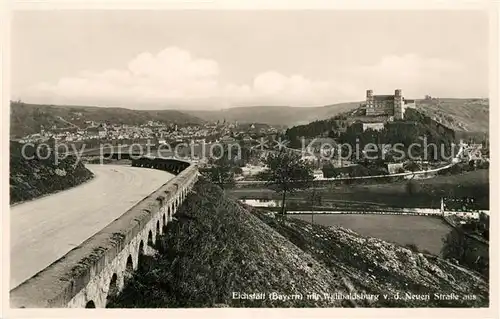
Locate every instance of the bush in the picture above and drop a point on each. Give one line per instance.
(329, 171)
(412, 187)
(412, 247)
(400, 170)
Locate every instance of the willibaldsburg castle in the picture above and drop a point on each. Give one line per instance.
(387, 105)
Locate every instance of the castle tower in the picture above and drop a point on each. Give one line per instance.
(398, 105)
(369, 102)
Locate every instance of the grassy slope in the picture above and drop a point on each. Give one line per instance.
(32, 178)
(470, 115)
(27, 118)
(380, 267)
(218, 247)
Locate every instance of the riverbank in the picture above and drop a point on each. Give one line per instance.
(424, 233)
(422, 194)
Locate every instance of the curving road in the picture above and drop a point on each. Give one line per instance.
(45, 229)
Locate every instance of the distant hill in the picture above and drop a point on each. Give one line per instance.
(469, 115)
(466, 117)
(27, 118)
(462, 115)
(275, 115)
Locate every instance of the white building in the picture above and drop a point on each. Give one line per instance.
(373, 126)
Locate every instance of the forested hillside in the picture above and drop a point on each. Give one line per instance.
(32, 176)
(28, 118)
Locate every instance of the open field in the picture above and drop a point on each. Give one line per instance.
(426, 193)
(476, 178)
(423, 231)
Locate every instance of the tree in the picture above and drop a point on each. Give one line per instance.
(220, 173)
(484, 225)
(412, 247)
(455, 246)
(314, 198)
(412, 187)
(221, 170)
(466, 251)
(400, 170)
(329, 171)
(412, 166)
(242, 154)
(286, 173)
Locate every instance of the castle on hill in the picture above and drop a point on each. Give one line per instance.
(393, 106)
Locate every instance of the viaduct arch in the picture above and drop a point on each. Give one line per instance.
(99, 267)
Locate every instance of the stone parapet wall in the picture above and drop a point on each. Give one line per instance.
(82, 277)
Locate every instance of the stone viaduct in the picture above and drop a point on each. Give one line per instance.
(98, 268)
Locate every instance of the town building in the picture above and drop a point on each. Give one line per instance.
(394, 168)
(96, 132)
(377, 126)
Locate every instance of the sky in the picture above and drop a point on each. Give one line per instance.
(219, 59)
